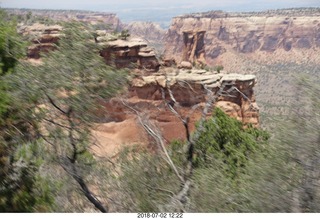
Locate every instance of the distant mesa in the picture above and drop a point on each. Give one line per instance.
(204, 37)
(72, 15)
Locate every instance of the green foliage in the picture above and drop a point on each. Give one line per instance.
(30, 19)
(144, 182)
(271, 180)
(29, 15)
(11, 46)
(124, 34)
(224, 165)
(224, 138)
(177, 153)
(18, 173)
(73, 76)
(4, 100)
(301, 135)
(218, 68)
(60, 98)
(267, 184)
(23, 189)
(206, 67)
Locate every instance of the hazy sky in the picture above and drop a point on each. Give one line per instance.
(152, 9)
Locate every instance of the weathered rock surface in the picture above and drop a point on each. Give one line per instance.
(148, 97)
(185, 65)
(196, 37)
(43, 37)
(128, 53)
(194, 49)
(189, 89)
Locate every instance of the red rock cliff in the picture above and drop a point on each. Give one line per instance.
(148, 96)
(242, 32)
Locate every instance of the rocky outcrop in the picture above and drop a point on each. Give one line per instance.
(146, 105)
(185, 65)
(190, 88)
(119, 50)
(43, 38)
(148, 99)
(127, 53)
(241, 32)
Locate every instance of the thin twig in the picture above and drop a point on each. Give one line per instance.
(157, 138)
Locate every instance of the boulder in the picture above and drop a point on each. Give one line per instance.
(185, 65)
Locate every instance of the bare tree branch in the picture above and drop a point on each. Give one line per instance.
(56, 123)
(180, 199)
(158, 138)
(84, 188)
(69, 165)
(54, 104)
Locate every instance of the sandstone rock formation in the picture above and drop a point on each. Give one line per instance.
(43, 37)
(185, 65)
(127, 53)
(241, 32)
(193, 49)
(189, 89)
(148, 98)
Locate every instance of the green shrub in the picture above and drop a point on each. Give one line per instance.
(225, 139)
(218, 68)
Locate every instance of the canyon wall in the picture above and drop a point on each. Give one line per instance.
(151, 32)
(244, 33)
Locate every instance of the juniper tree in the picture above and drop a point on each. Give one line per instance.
(61, 97)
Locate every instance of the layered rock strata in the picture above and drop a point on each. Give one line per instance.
(292, 29)
(235, 96)
(123, 53)
(43, 38)
(128, 53)
(148, 99)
